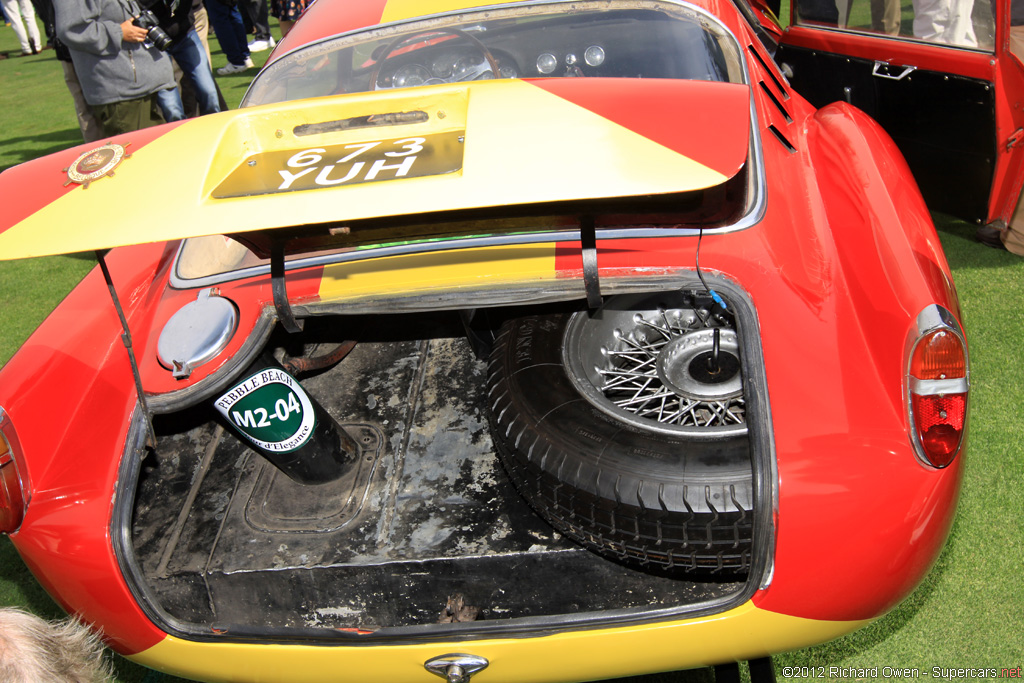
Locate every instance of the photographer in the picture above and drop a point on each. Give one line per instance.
(172, 28)
(120, 75)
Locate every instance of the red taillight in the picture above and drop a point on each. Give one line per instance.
(12, 497)
(938, 394)
(13, 481)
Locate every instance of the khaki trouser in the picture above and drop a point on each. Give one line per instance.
(86, 121)
(123, 117)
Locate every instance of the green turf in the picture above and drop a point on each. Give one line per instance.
(967, 613)
(38, 118)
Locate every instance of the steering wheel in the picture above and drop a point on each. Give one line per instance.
(408, 40)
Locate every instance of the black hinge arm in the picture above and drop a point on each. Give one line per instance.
(280, 290)
(591, 277)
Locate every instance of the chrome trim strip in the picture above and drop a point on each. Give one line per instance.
(938, 387)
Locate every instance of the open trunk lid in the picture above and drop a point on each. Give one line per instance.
(443, 148)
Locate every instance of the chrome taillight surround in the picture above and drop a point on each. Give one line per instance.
(14, 485)
(937, 407)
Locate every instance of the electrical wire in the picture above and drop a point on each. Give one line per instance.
(714, 295)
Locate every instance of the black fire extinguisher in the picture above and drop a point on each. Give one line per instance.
(286, 425)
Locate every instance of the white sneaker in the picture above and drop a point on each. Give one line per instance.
(261, 45)
(235, 68)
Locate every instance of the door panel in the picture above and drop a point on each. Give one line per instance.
(956, 111)
(944, 124)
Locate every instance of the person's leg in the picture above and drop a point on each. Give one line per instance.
(227, 24)
(86, 121)
(202, 28)
(261, 20)
(123, 117)
(169, 101)
(189, 54)
(257, 22)
(243, 10)
(28, 13)
(14, 16)
(885, 17)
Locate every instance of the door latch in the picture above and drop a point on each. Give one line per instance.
(886, 70)
(1014, 139)
(456, 668)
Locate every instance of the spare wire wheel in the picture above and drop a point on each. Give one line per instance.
(669, 362)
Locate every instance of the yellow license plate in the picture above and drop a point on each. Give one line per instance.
(330, 166)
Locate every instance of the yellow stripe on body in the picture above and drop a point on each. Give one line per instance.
(397, 10)
(462, 268)
(739, 634)
(153, 196)
(522, 145)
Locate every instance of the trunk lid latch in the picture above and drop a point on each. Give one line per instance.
(456, 668)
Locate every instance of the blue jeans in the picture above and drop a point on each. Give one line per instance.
(169, 101)
(227, 24)
(191, 57)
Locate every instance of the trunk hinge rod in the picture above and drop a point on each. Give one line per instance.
(280, 290)
(591, 277)
(126, 339)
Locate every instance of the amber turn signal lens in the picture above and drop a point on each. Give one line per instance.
(939, 355)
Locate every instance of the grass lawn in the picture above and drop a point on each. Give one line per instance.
(968, 611)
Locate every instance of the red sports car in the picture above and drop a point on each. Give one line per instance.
(539, 341)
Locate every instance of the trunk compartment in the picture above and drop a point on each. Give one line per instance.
(425, 529)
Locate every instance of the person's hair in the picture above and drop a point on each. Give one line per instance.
(33, 650)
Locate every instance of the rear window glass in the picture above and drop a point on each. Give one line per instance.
(612, 40)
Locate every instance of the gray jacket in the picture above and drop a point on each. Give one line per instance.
(109, 69)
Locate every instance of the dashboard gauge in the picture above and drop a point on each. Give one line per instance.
(594, 56)
(508, 70)
(547, 63)
(444, 66)
(411, 75)
(466, 69)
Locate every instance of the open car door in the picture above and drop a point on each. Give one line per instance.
(938, 75)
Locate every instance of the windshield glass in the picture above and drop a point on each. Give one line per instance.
(612, 40)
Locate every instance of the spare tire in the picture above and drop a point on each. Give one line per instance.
(642, 485)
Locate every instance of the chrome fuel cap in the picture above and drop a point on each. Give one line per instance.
(197, 333)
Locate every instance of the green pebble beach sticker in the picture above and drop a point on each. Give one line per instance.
(271, 409)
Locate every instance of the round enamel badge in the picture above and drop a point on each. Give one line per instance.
(95, 164)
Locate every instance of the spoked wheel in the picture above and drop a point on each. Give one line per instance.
(626, 428)
(675, 370)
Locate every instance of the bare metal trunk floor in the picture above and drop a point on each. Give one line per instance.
(225, 539)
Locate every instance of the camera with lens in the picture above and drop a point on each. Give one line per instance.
(154, 34)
